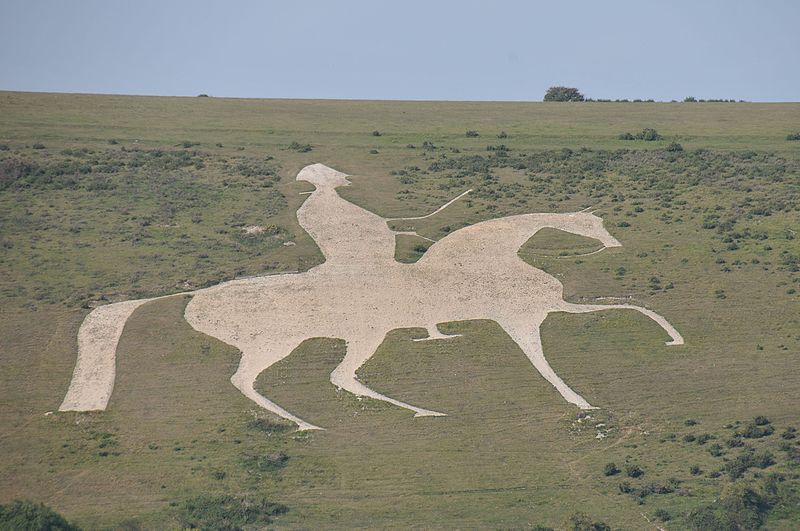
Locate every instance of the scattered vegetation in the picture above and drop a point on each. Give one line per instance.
(229, 512)
(583, 522)
(23, 515)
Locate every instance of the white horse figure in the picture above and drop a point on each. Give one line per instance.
(359, 294)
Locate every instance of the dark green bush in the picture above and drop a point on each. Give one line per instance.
(756, 431)
(626, 136)
(648, 134)
(300, 148)
(472, 134)
(502, 134)
(376, 133)
(39, 145)
(610, 469)
(793, 136)
(663, 515)
(633, 471)
(674, 147)
(748, 459)
(563, 94)
(761, 420)
(23, 515)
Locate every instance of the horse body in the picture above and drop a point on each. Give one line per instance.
(360, 292)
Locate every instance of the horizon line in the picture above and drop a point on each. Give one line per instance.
(410, 100)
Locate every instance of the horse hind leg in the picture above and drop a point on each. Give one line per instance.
(528, 337)
(245, 377)
(344, 376)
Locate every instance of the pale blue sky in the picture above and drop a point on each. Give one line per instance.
(409, 49)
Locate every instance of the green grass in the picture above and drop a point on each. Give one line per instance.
(708, 240)
(553, 242)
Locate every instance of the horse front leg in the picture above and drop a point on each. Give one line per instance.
(344, 375)
(676, 337)
(254, 363)
(525, 333)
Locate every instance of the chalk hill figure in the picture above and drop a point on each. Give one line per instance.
(359, 294)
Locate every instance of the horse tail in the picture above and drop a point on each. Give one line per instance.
(95, 370)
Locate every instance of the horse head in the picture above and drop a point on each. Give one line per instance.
(323, 177)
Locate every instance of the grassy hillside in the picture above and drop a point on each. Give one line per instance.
(106, 198)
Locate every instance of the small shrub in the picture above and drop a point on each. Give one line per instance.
(472, 134)
(219, 475)
(674, 147)
(113, 141)
(633, 471)
(761, 420)
(704, 438)
(734, 442)
(420, 248)
(626, 136)
(689, 437)
(663, 515)
(793, 136)
(373, 151)
(690, 422)
(789, 433)
(268, 426)
(202, 95)
(300, 148)
(716, 450)
(582, 522)
(649, 135)
(502, 134)
(610, 469)
(748, 459)
(376, 133)
(39, 145)
(755, 431)
(695, 470)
